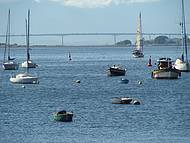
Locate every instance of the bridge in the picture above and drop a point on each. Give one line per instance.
(114, 34)
(100, 34)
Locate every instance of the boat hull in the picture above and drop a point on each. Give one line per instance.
(166, 74)
(138, 56)
(124, 100)
(116, 72)
(30, 64)
(24, 79)
(182, 66)
(10, 66)
(67, 117)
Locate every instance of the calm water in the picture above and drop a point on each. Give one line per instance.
(26, 113)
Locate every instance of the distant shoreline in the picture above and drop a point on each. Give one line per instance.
(88, 46)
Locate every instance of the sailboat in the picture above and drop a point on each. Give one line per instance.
(28, 63)
(138, 51)
(9, 63)
(181, 63)
(25, 78)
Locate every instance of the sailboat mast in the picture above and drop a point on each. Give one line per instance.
(184, 38)
(28, 33)
(141, 39)
(8, 38)
(27, 40)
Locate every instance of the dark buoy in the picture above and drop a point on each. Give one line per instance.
(124, 80)
(149, 62)
(70, 56)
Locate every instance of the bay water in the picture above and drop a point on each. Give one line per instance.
(27, 113)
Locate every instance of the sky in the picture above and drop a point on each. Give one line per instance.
(83, 16)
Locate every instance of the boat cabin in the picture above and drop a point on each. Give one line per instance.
(164, 63)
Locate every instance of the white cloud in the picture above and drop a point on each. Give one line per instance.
(98, 3)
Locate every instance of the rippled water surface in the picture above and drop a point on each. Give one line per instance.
(26, 113)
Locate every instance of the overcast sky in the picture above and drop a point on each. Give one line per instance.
(66, 16)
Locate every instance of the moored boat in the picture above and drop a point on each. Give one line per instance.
(9, 63)
(28, 63)
(165, 70)
(181, 63)
(138, 51)
(116, 71)
(24, 78)
(121, 100)
(125, 100)
(63, 116)
(124, 81)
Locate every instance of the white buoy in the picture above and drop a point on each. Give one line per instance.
(77, 81)
(139, 82)
(23, 86)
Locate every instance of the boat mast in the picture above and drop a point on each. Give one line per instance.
(27, 38)
(184, 37)
(7, 38)
(28, 35)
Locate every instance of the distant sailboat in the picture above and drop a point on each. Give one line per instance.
(28, 63)
(9, 63)
(138, 51)
(181, 63)
(25, 78)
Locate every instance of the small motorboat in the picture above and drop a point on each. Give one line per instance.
(24, 78)
(116, 71)
(124, 81)
(125, 100)
(121, 100)
(63, 116)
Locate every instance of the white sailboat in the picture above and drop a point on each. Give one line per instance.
(28, 63)
(25, 78)
(9, 63)
(138, 51)
(181, 63)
